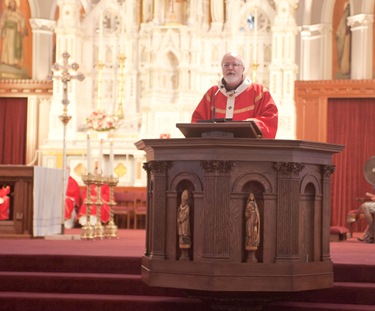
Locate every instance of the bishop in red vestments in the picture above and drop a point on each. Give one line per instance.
(237, 98)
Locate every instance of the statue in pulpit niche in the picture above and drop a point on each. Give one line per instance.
(183, 223)
(252, 219)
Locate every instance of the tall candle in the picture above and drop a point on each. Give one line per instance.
(111, 156)
(88, 154)
(100, 156)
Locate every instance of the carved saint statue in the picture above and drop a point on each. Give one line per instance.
(183, 221)
(252, 223)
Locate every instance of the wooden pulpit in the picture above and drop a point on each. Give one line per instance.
(290, 180)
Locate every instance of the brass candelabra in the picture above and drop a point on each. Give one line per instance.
(88, 230)
(111, 230)
(99, 228)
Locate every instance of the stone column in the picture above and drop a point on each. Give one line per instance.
(42, 47)
(283, 68)
(361, 46)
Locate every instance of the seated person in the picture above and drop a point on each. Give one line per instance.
(105, 208)
(72, 202)
(368, 209)
(4, 202)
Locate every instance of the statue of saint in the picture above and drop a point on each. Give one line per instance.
(252, 223)
(183, 221)
(217, 11)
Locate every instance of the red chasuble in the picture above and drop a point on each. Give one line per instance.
(249, 101)
(73, 197)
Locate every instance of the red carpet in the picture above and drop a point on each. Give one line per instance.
(64, 273)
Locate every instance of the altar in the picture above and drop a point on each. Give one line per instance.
(290, 180)
(36, 200)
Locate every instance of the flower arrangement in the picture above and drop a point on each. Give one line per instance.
(100, 121)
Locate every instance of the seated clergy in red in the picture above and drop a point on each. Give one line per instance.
(238, 98)
(72, 202)
(4, 202)
(105, 209)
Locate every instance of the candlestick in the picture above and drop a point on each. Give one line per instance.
(88, 154)
(111, 156)
(100, 156)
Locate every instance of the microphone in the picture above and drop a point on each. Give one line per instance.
(214, 108)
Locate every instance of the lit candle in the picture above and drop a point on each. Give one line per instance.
(88, 154)
(111, 156)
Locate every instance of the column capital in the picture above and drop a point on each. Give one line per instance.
(39, 25)
(360, 20)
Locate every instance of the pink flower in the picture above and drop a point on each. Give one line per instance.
(101, 121)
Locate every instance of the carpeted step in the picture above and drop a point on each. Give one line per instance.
(18, 301)
(93, 283)
(341, 292)
(70, 263)
(354, 273)
(311, 306)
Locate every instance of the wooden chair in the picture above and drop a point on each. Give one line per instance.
(125, 203)
(140, 207)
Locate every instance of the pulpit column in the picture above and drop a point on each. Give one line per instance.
(287, 247)
(156, 208)
(216, 203)
(328, 170)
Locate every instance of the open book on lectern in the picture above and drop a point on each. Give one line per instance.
(220, 128)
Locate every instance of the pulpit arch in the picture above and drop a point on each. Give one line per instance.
(310, 215)
(309, 184)
(191, 179)
(246, 181)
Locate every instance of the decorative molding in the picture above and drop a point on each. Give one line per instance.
(289, 167)
(335, 89)
(214, 166)
(25, 88)
(156, 166)
(328, 170)
(42, 25)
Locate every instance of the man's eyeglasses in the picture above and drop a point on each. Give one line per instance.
(233, 65)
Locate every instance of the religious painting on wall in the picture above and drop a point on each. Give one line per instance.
(341, 46)
(15, 40)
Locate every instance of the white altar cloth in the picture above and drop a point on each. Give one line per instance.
(48, 201)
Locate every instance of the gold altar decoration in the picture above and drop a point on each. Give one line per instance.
(120, 110)
(254, 68)
(100, 66)
(98, 228)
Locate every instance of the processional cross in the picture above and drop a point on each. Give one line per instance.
(65, 76)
